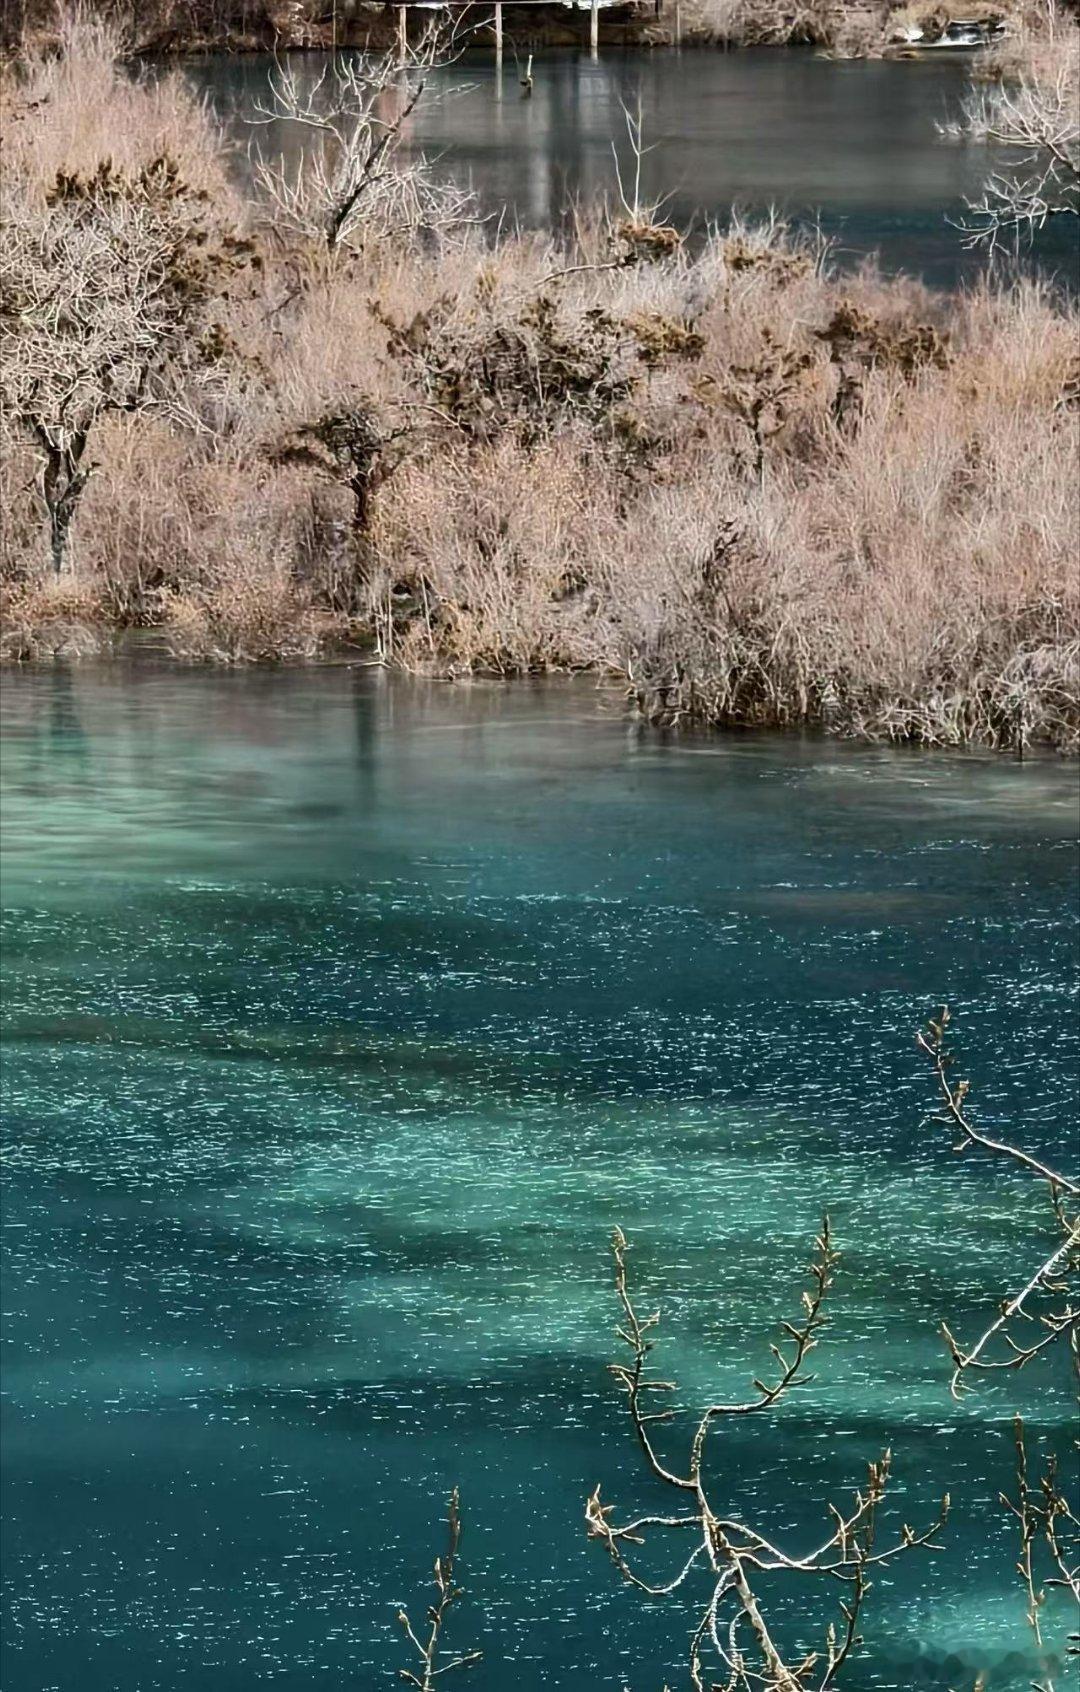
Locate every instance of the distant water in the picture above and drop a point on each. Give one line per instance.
(852, 147)
(345, 1017)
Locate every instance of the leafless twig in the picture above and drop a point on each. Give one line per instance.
(1049, 1553)
(732, 1554)
(1049, 1531)
(1039, 122)
(999, 1346)
(429, 1650)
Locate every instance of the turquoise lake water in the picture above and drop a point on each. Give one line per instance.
(345, 1017)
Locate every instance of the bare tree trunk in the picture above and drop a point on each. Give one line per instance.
(62, 482)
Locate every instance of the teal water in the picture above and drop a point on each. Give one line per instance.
(344, 1019)
(850, 147)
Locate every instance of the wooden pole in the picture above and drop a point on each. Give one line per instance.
(678, 24)
(594, 30)
(498, 35)
(402, 32)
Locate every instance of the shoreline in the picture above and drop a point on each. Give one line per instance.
(755, 491)
(128, 652)
(860, 30)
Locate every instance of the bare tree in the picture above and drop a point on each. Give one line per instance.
(1030, 1323)
(350, 182)
(730, 1553)
(429, 1650)
(105, 290)
(1039, 122)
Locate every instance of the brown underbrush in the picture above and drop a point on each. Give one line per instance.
(749, 489)
(851, 28)
(1041, 43)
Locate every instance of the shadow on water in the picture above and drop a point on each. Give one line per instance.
(346, 1016)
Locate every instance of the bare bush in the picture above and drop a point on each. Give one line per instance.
(751, 491)
(534, 364)
(54, 618)
(105, 293)
(350, 182)
(758, 23)
(1036, 117)
(1035, 35)
(248, 617)
(75, 103)
(162, 26)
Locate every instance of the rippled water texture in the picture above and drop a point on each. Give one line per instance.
(345, 1018)
(853, 147)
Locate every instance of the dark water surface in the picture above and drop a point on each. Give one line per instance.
(852, 146)
(345, 1018)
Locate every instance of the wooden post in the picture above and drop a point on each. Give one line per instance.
(594, 30)
(402, 32)
(498, 36)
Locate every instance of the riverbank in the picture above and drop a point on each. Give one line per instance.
(852, 28)
(751, 489)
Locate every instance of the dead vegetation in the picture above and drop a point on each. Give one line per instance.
(1029, 105)
(841, 28)
(756, 492)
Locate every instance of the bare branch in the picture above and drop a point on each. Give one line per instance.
(999, 1346)
(448, 1592)
(729, 1551)
(932, 1040)
(1038, 120)
(1049, 1553)
(1049, 1531)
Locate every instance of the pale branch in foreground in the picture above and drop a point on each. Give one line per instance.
(430, 1651)
(728, 1552)
(1050, 1529)
(1049, 1297)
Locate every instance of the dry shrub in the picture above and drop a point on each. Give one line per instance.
(532, 361)
(141, 515)
(70, 108)
(758, 493)
(184, 26)
(859, 34)
(251, 616)
(1041, 43)
(759, 22)
(49, 617)
(495, 557)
